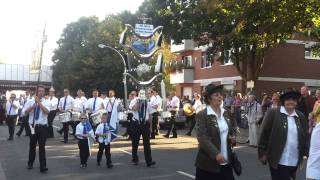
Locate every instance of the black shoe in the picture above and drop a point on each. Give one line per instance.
(152, 137)
(150, 164)
(135, 162)
(188, 134)
(98, 164)
(110, 165)
(125, 135)
(18, 134)
(10, 139)
(64, 141)
(30, 166)
(174, 136)
(59, 132)
(166, 136)
(43, 170)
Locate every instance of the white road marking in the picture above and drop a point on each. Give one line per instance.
(57, 127)
(124, 151)
(186, 174)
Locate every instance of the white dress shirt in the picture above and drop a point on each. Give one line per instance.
(12, 109)
(79, 130)
(175, 102)
(136, 113)
(69, 103)
(153, 102)
(290, 154)
(159, 101)
(109, 103)
(197, 106)
(53, 103)
(79, 104)
(224, 129)
(42, 116)
(97, 105)
(313, 165)
(99, 130)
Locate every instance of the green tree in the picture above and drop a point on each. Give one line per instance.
(246, 27)
(80, 63)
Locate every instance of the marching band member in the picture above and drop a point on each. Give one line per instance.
(12, 107)
(104, 97)
(196, 108)
(110, 102)
(79, 106)
(129, 116)
(155, 102)
(38, 109)
(141, 126)
(65, 106)
(53, 110)
(103, 131)
(82, 135)
(174, 109)
(25, 117)
(94, 104)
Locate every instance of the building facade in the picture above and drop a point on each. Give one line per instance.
(287, 65)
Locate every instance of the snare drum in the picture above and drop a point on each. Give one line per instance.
(75, 116)
(96, 117)
(122, 116)
(65, 117)
(166, 114)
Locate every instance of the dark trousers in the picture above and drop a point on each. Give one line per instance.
(224, 174)
(155, 122)
(51, 116)
(39, 137)
(11, 122)
(24, 126)
(2, 114)
(192, 120)
(283, 172)
(106, 149)
(136, 131)
(128, 124)
(172, 124)
(65, 130)
(83, 150)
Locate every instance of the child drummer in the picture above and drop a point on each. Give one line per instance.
(82, 135)
(103, 132)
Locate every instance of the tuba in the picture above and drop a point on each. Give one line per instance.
(187, 109)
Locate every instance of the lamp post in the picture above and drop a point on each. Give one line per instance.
(102, 46)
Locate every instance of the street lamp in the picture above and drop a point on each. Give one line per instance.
(102, 46)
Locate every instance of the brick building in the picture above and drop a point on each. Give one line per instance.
(287, 65)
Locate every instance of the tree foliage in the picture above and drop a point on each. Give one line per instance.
(80, 63)
(246, 27)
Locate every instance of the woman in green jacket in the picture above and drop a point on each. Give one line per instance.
(282, 142)
(215, 134)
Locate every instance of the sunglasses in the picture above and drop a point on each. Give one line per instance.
(83, 118)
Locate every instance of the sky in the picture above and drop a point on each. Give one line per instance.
(22, 23)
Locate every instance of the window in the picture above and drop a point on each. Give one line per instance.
(308, 54)
(227, 57)
(187, 61)
(205, 62)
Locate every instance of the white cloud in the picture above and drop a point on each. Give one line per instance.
(22, 23)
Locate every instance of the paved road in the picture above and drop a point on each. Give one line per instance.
(174, 157)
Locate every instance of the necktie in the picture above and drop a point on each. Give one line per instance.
(37, 113)
(104, 131)
(10, 109)
(65, 103)
(84, 128)
(142, 113)
(94, 104)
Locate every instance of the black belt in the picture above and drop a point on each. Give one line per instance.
(40, 125)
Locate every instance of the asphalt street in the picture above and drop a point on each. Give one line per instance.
(175, 161)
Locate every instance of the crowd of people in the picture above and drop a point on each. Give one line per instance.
(284, 127)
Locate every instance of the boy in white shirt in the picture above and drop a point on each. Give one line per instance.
(103, 132)
(82, 135)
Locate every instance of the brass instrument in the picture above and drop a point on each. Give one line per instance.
(187, 109)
